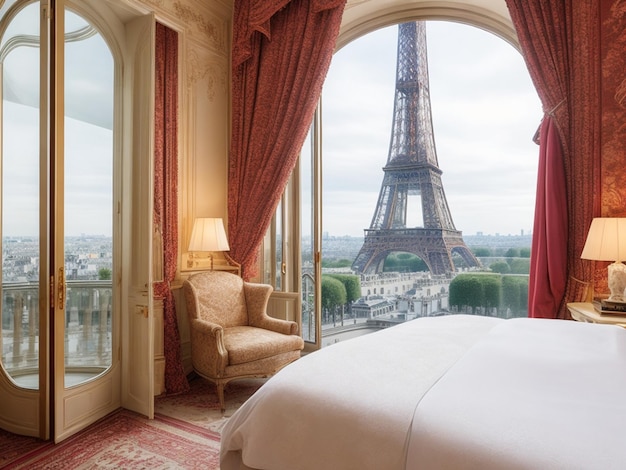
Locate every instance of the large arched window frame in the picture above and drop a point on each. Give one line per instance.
(291, 258)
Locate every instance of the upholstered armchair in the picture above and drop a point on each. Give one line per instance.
(231, 334)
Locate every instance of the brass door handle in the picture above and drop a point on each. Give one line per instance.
(61, 289)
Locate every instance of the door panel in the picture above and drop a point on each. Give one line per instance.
(85, 377)
(138, 328)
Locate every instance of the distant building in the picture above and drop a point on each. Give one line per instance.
(412, 295)
(372, 307)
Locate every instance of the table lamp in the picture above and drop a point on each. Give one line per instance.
(208, 235)
(606, 241)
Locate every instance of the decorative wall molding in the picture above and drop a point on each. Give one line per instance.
(201, 69)
(214, 30)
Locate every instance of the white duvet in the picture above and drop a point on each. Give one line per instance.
(447, 392)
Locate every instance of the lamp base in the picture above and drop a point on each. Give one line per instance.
(617, 280)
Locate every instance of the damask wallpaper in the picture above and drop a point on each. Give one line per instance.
(613, 63)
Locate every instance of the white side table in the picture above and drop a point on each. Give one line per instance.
(586, 312)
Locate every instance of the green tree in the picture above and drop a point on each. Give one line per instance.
(404, 262)
(510, 293)
(475, 294)
(333, 294)
(515, 293)
(336, 263)
(491, 287)
(520, 265)
(482, 252)
(104, 274)
(501, 267)
(391, 264)
(512, 253)
(458, 291)
(351, 283)
(475, 290)
(490, 291)
(524, 252)
(465, 291)
(523, 293)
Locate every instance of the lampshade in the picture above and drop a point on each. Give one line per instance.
(208, 234)
(606, 240)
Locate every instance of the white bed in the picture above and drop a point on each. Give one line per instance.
(449, 392)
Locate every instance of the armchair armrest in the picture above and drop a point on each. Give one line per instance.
(207, 343)
(286, 327)
(257, 296)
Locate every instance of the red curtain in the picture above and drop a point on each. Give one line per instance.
(166, 196)
(549, 246)
(281, 53)
(559, 42)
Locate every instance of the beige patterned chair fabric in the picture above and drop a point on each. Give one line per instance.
(231, 334)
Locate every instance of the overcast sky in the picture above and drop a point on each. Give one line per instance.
(485, 112)
(88, 137)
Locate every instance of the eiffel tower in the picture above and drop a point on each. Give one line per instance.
(412, 170)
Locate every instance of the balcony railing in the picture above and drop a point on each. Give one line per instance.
(88, 339)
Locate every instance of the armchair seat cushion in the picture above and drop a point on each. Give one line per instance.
(247, 344)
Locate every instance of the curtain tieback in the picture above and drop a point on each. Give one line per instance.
(555, 107)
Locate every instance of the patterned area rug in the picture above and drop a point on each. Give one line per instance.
(200, 405)
(185, 434)
(128, 440)
(13, 447)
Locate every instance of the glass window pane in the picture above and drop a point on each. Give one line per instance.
(309, 329)
(88, 209)
(20, 197)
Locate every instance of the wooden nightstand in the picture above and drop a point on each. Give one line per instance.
(586, 312)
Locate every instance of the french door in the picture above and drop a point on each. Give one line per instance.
(62, 222)
(293, 244)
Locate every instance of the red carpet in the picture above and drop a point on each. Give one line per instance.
(128, 440)
(183, 435)
(12, 447)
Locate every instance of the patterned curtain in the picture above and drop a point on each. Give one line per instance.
(281, 53)
(560, 45)
(166, 197)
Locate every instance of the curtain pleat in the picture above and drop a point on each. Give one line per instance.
(281, 53)
(549, 242)
(559, 42)
(166, 196)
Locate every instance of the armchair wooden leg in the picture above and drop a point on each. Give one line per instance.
(220, 395)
